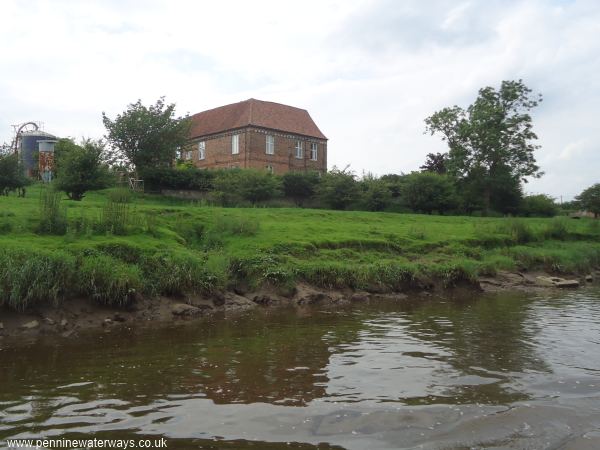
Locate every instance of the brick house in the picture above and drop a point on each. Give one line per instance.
(259, 135)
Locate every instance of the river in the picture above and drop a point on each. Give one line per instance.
(488, 371)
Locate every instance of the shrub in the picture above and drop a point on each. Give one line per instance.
(251, 185)
(427, 192)
(186, 178)
(79, 168)
(377, 195)
(538, 206)
(11, 174)
(300, 186)
(338, 189)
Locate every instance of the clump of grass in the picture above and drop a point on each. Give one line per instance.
(151, 224)
(240, 226)
(557, 229)
(5, 227)
(122, 251)
(518, 230)
(52, 215)
(80, 225)
(120, 195)
(114, 217)
(108, 280)
(454, 273)
(330, 274)
(260, 268)
(167, 274)
(28, 278)
(193, 232)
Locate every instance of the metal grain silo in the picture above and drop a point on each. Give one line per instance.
(28, 147)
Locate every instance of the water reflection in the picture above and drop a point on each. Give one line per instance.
(497, 350)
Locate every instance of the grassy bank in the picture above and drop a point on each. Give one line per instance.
(112, 247)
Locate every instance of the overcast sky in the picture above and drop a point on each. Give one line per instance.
(368, 71)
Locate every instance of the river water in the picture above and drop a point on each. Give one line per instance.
(492, 371)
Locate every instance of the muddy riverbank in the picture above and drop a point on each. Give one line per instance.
(72, 317)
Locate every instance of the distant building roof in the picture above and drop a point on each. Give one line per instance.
(252, 112)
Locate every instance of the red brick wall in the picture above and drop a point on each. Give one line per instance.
(252, 144)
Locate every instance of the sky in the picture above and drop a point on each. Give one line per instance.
(368, 71)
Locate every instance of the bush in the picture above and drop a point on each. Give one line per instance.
(377, 195)
(79, 168)
(427, 192)
(11, 174)
(300, 186)
(186, 178)
(538, 206)
(251, 185)
(338, 189)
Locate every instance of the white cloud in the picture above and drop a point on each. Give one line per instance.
(368, 71)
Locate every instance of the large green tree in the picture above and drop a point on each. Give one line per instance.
(589, 199)
(147, 136)
(492, 139)
(79, 168)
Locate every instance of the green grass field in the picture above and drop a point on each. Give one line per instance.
(151, 245)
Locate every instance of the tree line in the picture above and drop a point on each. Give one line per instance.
(490, 156)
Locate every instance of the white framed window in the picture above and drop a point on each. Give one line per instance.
(235, 144)
(201, 150)
(314, 151)
(187, 155)
(299, 152)
(270, 148)
(270, 168)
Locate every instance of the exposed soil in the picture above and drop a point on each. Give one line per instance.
(74, 316)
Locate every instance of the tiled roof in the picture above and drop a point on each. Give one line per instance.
(274, 116)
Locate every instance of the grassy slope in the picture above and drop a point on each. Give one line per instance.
(173, 247)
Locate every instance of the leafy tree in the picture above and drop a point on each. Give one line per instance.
(12, 174)
(300, 186)
(493, 137)
(538, 206)
(436, 163)
(428, 192)
(590, 199)
(338, 188)
(79, 168)
(145, 137)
